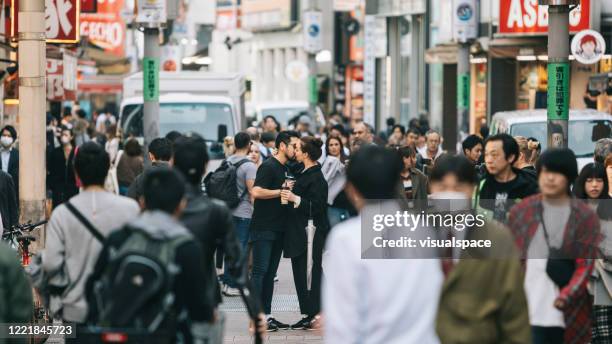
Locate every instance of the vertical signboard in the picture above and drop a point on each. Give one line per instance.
(106, 28)
(61, 20)
(558, 87)
(56, 90)
(465, 20)
(313, 38)
(369, 71)
(150, 75)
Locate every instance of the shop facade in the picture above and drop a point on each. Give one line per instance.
(509, 60)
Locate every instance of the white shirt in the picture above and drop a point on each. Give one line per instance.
(5, 154)
(377, 301)
(540, 290)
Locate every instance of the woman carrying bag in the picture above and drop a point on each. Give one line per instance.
(308, 217)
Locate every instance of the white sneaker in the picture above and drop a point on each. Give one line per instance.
(231, 291)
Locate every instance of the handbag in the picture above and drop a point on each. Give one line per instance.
(559, 267)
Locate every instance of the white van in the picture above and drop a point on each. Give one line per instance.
(585, 128)
(209, 104)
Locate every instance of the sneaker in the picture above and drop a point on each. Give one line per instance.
(229, 291)
(279, 325)
(303, 324)
(272, 326)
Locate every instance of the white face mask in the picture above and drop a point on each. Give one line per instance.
(450, 201)
(6, 141)
(65, 140)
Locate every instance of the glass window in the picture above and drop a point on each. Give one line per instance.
(582, 138)
(282, 115)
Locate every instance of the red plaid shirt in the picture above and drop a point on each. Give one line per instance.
(581, 239)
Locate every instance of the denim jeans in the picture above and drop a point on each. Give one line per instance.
(267, 252)
(241, 227)
(336, 215)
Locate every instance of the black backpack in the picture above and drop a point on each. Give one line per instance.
(222, 184)
(135, 289)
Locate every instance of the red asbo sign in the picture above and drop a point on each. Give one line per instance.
(526, 17)
(61, 20)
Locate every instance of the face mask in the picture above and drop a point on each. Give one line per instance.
(6, 141)
(65, 140)
(450, 201)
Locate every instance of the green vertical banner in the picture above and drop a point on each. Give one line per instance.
(150, 75)
(463, 91)
(558, 90)
(313, 90)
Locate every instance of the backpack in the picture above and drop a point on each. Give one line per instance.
(135, 289)
(222, 184)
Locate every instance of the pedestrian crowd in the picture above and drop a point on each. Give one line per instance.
(155, 247)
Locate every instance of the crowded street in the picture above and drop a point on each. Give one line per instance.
(306, 171)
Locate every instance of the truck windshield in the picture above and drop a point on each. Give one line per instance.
(201, 118)
(582, 134)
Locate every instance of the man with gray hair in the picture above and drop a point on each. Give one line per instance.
(603, 148)
(362, 131)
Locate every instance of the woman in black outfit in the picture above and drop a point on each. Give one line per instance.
(61, 180)
(308, 201)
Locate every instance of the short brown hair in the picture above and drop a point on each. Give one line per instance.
(608, 160)
(312, 147)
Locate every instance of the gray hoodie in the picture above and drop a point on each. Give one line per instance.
(71, 251)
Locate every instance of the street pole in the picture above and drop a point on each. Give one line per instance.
(463, 91)
(558, 71)
(311, 20)
(32, 110)
(150, 78)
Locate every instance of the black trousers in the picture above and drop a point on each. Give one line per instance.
(310, 301)
(547, 335)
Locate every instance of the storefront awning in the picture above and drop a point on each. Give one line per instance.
(511, 47)
(444, 54)
(101, 84)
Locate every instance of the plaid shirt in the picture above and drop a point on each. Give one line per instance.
(524, 221)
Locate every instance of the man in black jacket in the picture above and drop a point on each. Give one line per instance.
(503, 186)
(9, 207)
(209, 220)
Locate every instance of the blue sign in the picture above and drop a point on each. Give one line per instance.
(313, 30)
(465, 12)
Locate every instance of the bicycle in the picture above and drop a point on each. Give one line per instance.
(17, 238)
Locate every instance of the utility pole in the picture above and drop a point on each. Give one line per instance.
(152, 16)
(313, 43)
(465, 31)
(463, 91)
(558, 70)
(150, 78)
(32, 109)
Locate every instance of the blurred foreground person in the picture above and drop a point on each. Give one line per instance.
(176, 310)
(376, 300)
(592, 185)
(482, 300)
(15, 289)
(309, 200)
(76, 232)
(559, 236)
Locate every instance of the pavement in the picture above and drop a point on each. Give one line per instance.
(285, 308)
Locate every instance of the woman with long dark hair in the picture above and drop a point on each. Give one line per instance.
(309, 208)
(592, 186)
(334, 171)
